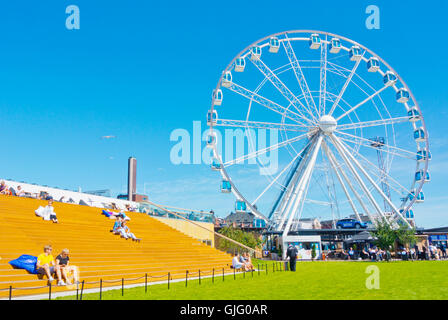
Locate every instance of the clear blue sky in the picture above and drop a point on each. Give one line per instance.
(138, 70)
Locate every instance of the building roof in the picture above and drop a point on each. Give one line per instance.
(244, 217)
(439, 230)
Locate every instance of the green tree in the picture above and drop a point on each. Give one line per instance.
(406, 236)
(313, 252)
(385, 234)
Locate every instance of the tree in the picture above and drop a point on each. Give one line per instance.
(313, 252)
(406, 236)
(385, 234)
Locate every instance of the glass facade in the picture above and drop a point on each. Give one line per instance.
(152, 210)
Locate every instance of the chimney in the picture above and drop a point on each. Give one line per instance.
(132, 178)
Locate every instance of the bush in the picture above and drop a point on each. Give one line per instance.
(246, 238)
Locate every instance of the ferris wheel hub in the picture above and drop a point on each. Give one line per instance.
(327, 124)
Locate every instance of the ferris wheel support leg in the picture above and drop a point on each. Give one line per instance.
(334, 167)
(285, 206)
(299, 154)
(378, 189)
(303, 183)
(347, 180)
(357, 177)
(357, 195)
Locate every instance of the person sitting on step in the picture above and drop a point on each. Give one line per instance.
(117, 225)
(4, 188)
(127, 232)
(47, 212)
(236, 264)
(63, 268)
(249, 264)
(45, 263)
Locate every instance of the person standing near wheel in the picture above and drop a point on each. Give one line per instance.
(292, 253)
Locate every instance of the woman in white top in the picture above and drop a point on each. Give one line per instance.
(47, 212)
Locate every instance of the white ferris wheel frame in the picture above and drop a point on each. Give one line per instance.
(296, 111)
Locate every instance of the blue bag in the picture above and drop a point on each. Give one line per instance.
(26, 262)
(107, 214)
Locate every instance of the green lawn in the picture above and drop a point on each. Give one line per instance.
(313, 280)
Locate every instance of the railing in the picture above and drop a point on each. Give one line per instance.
(254, 252)
(200, 274)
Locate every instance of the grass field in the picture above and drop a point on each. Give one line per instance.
(313, 280)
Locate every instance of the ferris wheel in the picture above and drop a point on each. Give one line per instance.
(347, 135)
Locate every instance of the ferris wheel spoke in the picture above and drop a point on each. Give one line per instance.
(281, 87)
(358, 178)
(341, 182)
(357, 195)
(318, 180)
(384, 147)
(339, 70)
(319, 202)
(335, 69)
(298, 73)
(323, 77)
(268, 103)
(372, 123)
(346, 154)
(260, 125)
(374, 169)
(265, 150)
(347, 82)
(362, 102)
(278, 176)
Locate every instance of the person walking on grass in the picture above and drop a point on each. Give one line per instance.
(292, 253)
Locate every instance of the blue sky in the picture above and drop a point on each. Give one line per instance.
(138, 70)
